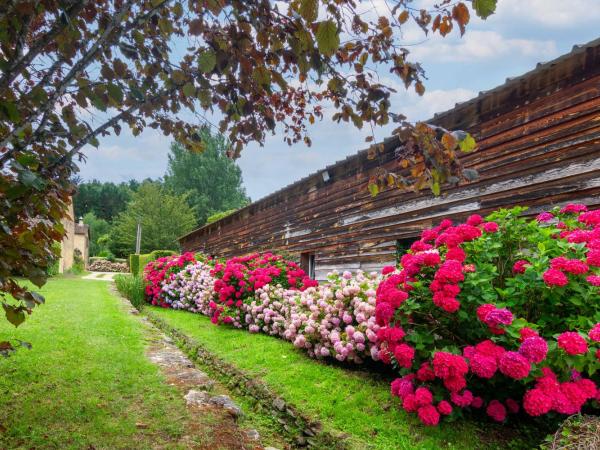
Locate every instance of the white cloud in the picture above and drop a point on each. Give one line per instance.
(481, 45)
(550, 13)
(434, 101)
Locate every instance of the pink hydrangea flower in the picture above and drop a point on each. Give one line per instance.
(594, 333)
(496, 411)
(554, 277)
(572, 343)
(534, 349)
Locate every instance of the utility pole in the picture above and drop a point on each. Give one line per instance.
(138, 238)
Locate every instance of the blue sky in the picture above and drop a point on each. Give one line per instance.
(511, 42)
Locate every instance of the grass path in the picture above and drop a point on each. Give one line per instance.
(346, 401)
(86, 382)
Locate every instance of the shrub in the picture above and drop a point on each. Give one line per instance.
(134, 264)
(239, 278)
(336, 319)
(106, 254)
(496, 314)
(159, 272)
(78, 266)
(132, 288)
(162, 253)
(332, 320)
(191, 289)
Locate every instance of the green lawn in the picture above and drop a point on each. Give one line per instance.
(86, 382)
(347, 401)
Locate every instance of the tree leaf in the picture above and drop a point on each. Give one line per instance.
(467, 144)
(373, 189)
(207, 61)
(14, 314)
(189, 90)
(262, 76)
(484, 8)
(309, 10)
(115, 92)
(328, 39)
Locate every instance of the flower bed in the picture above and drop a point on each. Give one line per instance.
(498, 315)
(264, 292)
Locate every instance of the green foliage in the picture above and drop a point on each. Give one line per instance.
(219, 216)
(134, 264)
(161, 253)
(104, 200)
(163, 216)
(52, 269)
(484, 8)
(212, 181)
(78, 266)
(144, 260)
(99, 229)
(106, 254)
(132, 288)
(138, 262)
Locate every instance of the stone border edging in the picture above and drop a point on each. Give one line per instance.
(302, 430)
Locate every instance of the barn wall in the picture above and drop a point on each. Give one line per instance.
(539, 145)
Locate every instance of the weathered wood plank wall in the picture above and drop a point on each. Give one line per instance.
(539, 145)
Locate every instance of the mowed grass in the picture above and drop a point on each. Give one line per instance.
(86, 382)
(355, 402)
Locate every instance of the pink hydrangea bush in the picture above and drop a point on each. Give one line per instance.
(191, 289)
(159, 272)
(335, 319)
(341, 323)
(239, 278)
(499, 315)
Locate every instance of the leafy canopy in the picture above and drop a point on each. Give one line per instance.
(104, 199)
(74, 71)
(163, 217)
(212, 181)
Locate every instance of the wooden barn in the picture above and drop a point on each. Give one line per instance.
(539, 145)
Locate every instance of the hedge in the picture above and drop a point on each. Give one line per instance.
(138, 262)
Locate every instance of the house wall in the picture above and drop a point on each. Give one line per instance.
(68, 242)
(539, 146)
(81, 242)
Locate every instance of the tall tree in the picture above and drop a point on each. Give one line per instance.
(74, 71)
(163, 217)
(212, 181)
(104, 199)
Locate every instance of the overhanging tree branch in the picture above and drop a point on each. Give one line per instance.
(13, 70)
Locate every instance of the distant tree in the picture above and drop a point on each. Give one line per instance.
(163, 216)
(212, 181)
(98, 228)
(105, 199)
